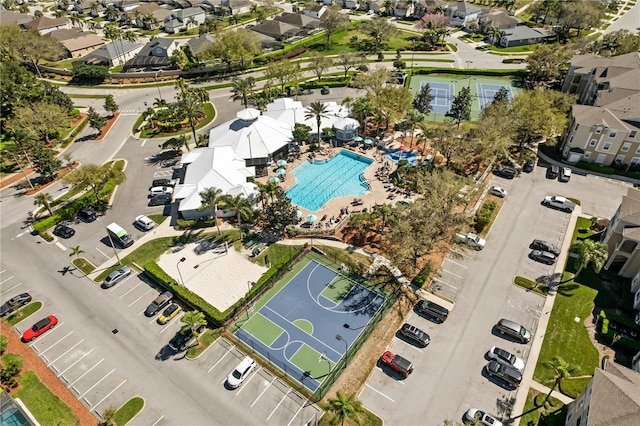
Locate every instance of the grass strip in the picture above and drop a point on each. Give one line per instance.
(206, 339)
(128, 411)
(23, 313)
(84, 265)
(46, 407)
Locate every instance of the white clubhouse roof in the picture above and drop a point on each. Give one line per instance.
(251, 135)
(217, 167)
(291, 112)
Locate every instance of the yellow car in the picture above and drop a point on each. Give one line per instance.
(169, 313)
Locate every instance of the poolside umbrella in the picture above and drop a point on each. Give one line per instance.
(298, 214)
(274, 180)
(311, 218)
(357, 139)
(402, 147)
(368, 141)
(281, 163)
(281, 172)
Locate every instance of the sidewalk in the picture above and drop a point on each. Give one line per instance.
(541, 331)
(545, 389)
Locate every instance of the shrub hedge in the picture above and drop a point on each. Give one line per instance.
(431, 70)
(596, 167)
(484, 215)
(422, 276)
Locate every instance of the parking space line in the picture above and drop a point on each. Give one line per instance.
(75, 362)
(298, 412)
(109, 394)
(4, 281)
(455, 263)
(165, 328)
(262, 393)
(103, 253)
(279, 403)
(157, 421)
(125, 280)
(248, 380)
(60, 246)
(378, 392)
(442, 282)
(86, 372)
(6, 291)
(221, 358)
(58, 341)
(130, 290)
(458, 252)
(33, 342)
(148, 291)
(65, 352)
(97, 383)
(450, 273)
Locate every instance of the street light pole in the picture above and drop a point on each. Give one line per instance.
(346, 344)
(113, 246)
(157, 85)
(413, 52)
(178, 267)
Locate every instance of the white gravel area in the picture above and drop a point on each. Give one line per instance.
(219, 278)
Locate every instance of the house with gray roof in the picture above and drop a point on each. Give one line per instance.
(315, 10)
(422, 7)
(604, 126)
(146, 10)
(612, 397)
(154, 55)
(522, 35)
(277, 29)
(498, 18)
(110, 56)
(299, 20)
(197, 45)
(267, 43)
(90, 7)
(463, 13)
(190, 17)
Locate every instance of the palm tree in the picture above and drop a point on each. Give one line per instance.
(190, 107)
(181, 85)
(345, 407)
(44, 199)
(388, 7)
(413, 118)
(191, 22)
(317, 110)
(210, 198)
(590, 252)
(194, 319)
(111, 13)
(242, 90)
(562, 370)
(240, 205)
(76, 251)
(494, 33)
(113, 33)
(233, 20)
(160, 103)
(108, 416)
(383, 211)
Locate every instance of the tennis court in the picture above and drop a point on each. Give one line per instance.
(444, 87)
(306, 324)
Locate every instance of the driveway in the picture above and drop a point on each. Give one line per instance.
(448, 378)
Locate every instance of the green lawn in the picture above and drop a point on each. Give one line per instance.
(210, 114)
(128, 411)
(84, 265)
(206, 339)
(23, 313)
(46, 407)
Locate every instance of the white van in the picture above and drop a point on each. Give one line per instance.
(565, 174)
(119, 235)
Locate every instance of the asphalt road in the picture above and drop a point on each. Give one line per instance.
(448, 378)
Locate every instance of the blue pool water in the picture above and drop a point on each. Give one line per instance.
(319, 182)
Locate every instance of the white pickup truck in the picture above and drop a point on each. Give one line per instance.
(559, 203)
(473, 240)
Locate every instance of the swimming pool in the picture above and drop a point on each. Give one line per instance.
(320, 181)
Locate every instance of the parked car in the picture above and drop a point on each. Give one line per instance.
(158, 303)
(472, 240)
(432, 310)
(506, 357)
(397, 363)
(505, 172)
(529, 166)
(414, 333)
(170, 313)
(560, 203)
(474, 415)
(63, 231)
(162, 182)
(325, 90)
(14, 303)
(39, 328)
(544, 246)
(565, 174)
(497, 191)
(509, 375)
(184, 338)
(553, 172)
(144, 223)
(116, 276)
(88, 214)
(513, 329)
(237, 376)
(160, 200)
(543, 257)
(159, 190)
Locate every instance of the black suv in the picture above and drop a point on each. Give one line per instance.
(505, 172)
(162, 182)
(88, 214)
(510, 375)
(184, 338)
(553, 172)
(529, 166)
(544, 246)
(414, 333)
(14, 303)
(160, 200)
(432, 310)
(63, 231)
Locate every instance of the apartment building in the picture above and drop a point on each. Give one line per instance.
(604, 126)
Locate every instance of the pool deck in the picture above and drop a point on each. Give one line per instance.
(377, 195)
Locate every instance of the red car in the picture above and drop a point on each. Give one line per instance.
(40, 328)
(397, 363)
